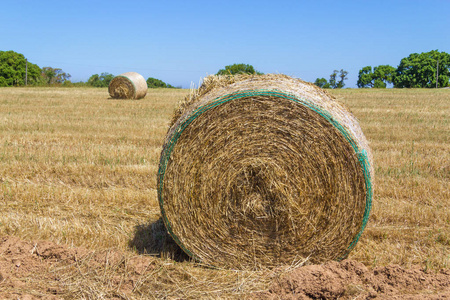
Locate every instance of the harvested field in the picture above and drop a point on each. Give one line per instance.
(78, 174)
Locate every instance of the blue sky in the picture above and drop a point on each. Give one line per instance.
(180, 42)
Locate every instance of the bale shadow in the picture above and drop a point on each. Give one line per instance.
(153, 238)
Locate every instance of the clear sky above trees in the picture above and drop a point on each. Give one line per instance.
(182, 41)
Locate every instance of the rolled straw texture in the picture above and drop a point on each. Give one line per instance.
(129, 85)
(263, 171)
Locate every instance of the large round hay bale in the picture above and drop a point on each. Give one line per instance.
(129, 85)
(262, 171)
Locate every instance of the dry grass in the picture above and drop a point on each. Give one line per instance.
(409, 132)
(79, 169)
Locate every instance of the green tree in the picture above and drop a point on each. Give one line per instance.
(379, 78)
(3, 81)
(238, 69)
(419, 70)
(342, 76)
(365, 77)
(156, 83)
(12, 70)
(322, 82)
(383, 74)
(332, 81)
(101, 80)
(54, 75)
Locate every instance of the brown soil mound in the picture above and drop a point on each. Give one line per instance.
(352, 280)
(45, 270)
(40, 270)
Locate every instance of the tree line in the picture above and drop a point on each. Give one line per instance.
(15, 70)
(104, 79)
(424, 70)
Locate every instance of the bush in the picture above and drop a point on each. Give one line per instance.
(101, 80)
(238, 69)
(156, 83)
(12, 70)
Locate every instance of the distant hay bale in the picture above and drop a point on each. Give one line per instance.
(130, 85)
(262, 171)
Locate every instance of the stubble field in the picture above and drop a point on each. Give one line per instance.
(78, 174)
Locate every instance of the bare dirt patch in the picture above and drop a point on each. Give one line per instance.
(45, 270)
(352, 280)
